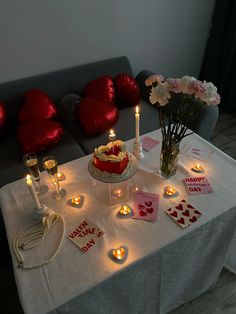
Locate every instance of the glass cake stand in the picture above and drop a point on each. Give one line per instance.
(112, 188)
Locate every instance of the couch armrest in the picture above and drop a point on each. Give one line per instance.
(144, 90)
(205, 121)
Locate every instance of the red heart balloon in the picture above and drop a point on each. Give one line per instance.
(142, 213)
(127, 90)
(38, 135)
(96, 116)
(101, 88)
(37, 105)
(3, 115)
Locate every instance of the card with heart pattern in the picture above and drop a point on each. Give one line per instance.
(146, 206)
(184, 214)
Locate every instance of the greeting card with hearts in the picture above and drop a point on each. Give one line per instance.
(146, 206)
(184, 214)
(149, 143)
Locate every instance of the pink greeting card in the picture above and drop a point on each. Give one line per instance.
(149, 143)
(198, 185)
(184, 214)
(197, 152)
(146, 206)
(85, 235)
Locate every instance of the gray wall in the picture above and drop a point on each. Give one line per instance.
(167, 36)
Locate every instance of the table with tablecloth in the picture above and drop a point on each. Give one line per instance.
(166, 265)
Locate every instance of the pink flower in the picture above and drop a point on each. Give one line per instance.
(174, 85)
(154, 79)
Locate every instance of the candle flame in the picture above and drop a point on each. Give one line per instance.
(119, 253)
(137, 109)
(111, 132)
(28, 179)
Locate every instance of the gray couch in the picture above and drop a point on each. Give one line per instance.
(75, 142)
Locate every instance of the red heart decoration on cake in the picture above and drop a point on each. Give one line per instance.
(142, 213)
(181, 221)
(127, 90)
(174, 214)
(37, 105)
(148, 203)
(179, 207)
(96, 116)
(38, 135)
(149, 210)
(101, 88)
(197, 212)
(141, 207)
(186, 213)
(190, 206)
(193, 219)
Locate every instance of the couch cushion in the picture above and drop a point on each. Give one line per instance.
(124, 127)
(11, 164)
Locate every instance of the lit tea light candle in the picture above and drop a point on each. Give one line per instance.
(118, 193)
(76, 200)
(112, 135)
(170, 191)
(137, 118)
(198, 168)
(119, 254)
(125, 210)
(60, 176)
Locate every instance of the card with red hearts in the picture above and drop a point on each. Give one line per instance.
(146, 206)
(184, 214)
(198, 185)
(149, 143)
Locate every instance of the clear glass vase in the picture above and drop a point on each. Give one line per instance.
(169, 159)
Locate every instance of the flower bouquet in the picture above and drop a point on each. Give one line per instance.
(174, 97)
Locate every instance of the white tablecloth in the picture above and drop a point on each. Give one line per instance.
(166, 266)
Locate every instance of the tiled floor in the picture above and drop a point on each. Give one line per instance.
(220, 300)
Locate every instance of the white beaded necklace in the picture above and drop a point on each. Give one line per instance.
(37, 231)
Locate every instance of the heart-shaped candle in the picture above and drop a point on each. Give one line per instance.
(120, 254)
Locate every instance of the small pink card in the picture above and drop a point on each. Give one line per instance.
(198, 185)
(149, 143)
(146, 206)
(184, 214)
(197, 152)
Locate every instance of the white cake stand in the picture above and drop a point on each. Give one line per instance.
(111, 182)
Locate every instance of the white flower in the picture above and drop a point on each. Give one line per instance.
(210, 96)
(160, 94)
(187, 84)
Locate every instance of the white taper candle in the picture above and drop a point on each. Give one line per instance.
(32, 191)
(137, 116)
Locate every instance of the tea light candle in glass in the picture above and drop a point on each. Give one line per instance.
(198, 168)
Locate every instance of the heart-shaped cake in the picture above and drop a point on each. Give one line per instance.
(112, 157)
